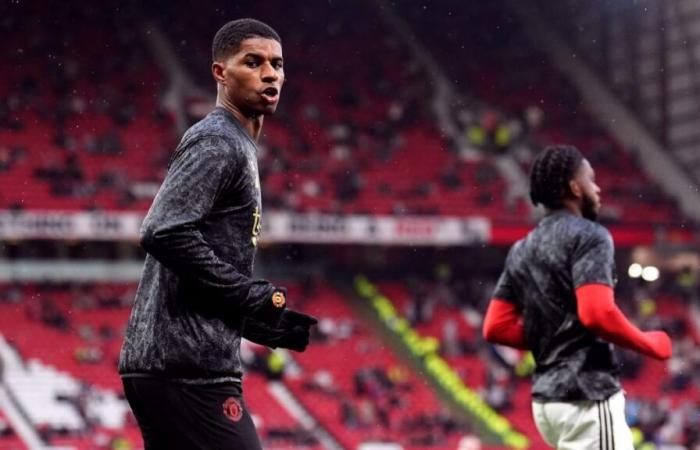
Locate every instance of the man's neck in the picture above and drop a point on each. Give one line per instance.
(573, 207)
(252, 124)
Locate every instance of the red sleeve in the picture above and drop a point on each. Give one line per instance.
(598, 312)
(504, 325)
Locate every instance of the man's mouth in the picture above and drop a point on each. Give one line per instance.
(270, 94)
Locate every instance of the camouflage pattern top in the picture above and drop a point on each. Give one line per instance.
(200, 235)
(541, 274)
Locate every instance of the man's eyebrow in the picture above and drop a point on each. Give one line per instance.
(260, 56)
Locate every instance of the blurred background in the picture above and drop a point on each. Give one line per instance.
(395, 177)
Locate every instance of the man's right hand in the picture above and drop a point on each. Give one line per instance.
(293, 331)
(660, 344)
(291, 318)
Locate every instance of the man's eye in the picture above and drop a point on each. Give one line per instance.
(277, 65)
(251, 64)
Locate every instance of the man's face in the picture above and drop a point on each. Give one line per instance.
(587, 190)
(253, 76)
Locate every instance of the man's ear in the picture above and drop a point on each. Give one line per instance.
(575, 189)
(217, 70)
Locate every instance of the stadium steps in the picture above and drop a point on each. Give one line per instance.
(280, 392)
(340, 358)
(364, 310)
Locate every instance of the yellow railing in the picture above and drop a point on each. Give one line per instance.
(425, 349)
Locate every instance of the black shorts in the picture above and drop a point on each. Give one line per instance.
(193, 417)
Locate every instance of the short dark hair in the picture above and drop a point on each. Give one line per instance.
(550, 174)
(229, 37)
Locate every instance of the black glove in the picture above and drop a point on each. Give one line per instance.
(265, 303)
(292, 331)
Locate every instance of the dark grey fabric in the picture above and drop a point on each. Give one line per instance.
(200, 235)
(541, 274)
(172, 416)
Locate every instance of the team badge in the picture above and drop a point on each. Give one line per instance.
(233, 409)
(278, 299)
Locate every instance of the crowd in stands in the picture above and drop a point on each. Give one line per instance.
(358, 389)
(83, 131)
(520, 99)
(350, 381)
(365, 398)
(355, 133)
(349, 137)
(78, 329)
(366, 394)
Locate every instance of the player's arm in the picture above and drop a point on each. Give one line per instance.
(503, 322)
(592, 272)
(170, 232)
(598, 312)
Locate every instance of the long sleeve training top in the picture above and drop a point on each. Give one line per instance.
(200, 236)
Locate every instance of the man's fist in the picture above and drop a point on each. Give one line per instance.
(293, 331)
(291, 318)
(660, 344)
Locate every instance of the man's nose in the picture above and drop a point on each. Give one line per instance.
(269, 73)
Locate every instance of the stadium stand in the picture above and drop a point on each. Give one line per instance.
(8, 439)
(355, 134)
(516, 81)
(440, 311)
(350, 138)
(358, 388)
(61, 367)
(85, 133)
(348, 379)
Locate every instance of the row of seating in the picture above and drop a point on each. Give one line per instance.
(353, 134)
(63, 347)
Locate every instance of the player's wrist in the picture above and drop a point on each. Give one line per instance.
(268, 303)
(660, 344)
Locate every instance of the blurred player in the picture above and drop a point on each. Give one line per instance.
(180, 361)
(555, 297)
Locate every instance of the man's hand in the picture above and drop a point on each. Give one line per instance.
(291, 318)
(660, 344)
(292, 332)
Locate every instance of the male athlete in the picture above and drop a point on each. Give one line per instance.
(180, 362)
(555, 297)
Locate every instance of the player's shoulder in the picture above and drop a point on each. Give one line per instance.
(580, 228)
(217, 131)
(588, 230)
(585, 234)
(516, 253)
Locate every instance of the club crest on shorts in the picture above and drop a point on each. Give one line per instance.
(233, 409)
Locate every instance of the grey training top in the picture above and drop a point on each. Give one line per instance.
(541, 275)
(200, 235)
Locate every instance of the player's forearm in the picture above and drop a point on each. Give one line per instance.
(503, 325)
(598, 312)
(184, 250)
